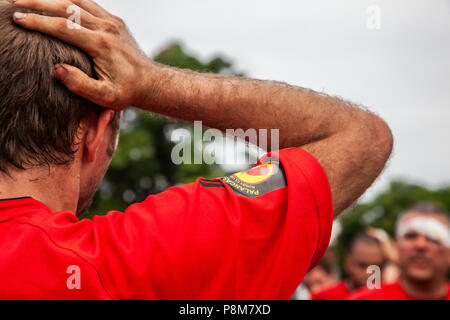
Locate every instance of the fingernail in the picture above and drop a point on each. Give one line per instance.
(19, 15)
(60, 72)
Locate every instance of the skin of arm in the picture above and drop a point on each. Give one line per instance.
(351, 144)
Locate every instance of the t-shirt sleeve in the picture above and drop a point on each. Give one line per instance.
(251, 235)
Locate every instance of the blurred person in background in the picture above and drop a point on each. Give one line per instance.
(423, 241)
(325, 275)
(365, 250)
(390, 271)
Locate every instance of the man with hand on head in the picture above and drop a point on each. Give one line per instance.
(423, 245)
(205, 240)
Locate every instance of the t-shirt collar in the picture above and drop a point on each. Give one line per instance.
(13, 208)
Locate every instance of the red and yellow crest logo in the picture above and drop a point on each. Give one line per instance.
(257, 174)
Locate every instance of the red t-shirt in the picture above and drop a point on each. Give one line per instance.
(338, 292)
(252, 235)
(393, 291)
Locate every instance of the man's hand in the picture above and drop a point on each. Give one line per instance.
(387, 244)
(119, 63)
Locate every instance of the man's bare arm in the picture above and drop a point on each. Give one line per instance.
(351, 144)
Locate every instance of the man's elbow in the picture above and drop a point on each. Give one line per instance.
(381, 140)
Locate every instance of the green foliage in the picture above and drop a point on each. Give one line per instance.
(142, 164)
(383, 211)
(175, 56)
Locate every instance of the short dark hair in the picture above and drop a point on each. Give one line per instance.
(39, 117)
(363, 237)
(328, 264)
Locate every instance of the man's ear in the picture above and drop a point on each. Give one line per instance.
(95, 132)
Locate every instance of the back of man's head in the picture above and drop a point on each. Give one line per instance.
(39, 117)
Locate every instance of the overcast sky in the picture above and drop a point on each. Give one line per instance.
(400, 71)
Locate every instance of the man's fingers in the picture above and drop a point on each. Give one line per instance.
(92, 7)
(62, 8)
(60, 28)
(97, 91)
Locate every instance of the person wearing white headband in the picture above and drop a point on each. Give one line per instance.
(423, 245)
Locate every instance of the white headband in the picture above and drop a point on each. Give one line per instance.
(429, 227)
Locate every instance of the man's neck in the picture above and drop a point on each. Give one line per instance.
(56, 187)
(432, 289)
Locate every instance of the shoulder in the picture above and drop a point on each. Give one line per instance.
(390, 291)
(337, 292)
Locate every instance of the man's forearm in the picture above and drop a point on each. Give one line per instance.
(302, 116)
